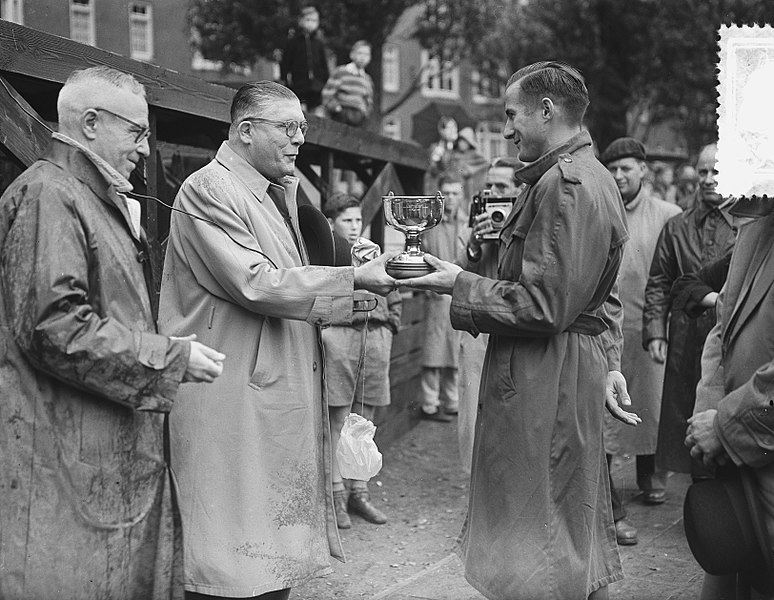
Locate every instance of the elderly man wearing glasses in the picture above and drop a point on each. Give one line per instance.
(250, 456)
(86, 506)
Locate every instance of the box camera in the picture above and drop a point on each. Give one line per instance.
(497, 207)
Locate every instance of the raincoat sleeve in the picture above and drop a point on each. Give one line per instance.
(231, 265)
(664, 270)
(690, 289)
(612, 314)
(561, 270)
(57, 328)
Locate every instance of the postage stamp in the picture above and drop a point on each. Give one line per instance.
(745, 116)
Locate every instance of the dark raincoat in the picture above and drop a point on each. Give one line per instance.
(689, 241)
(85, 495)
(539, 520)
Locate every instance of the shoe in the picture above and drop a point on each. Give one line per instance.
(625, 534)
(438, 416)
(360, 504)
(654, 497)
(340, 508)
(451, 413)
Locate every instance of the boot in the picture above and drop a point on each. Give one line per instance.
(340, 508)
(360, 504)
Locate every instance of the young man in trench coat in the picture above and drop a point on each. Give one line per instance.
(539, 520)
(251, 455)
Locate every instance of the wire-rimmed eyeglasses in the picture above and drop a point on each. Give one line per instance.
(143, 133)
(291, 127)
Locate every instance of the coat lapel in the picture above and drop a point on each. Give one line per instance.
(759, 276)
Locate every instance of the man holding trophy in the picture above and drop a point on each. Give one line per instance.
(539, 520)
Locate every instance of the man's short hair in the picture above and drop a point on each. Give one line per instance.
(360, 44)
(338, 203)
(448, 177)
(80, 86)
(559, 81)
(253, 99)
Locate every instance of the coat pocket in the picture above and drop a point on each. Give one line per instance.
(266, 365)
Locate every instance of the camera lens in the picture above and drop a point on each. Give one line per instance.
(498, 217)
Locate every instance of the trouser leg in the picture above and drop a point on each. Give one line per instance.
(649, 479)
(619, 510)
(449, 392)
(431, 382)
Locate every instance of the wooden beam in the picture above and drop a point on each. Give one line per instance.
(51, 58)
(386, 181)
(23, 134)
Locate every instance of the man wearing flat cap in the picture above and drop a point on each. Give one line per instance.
(691, 240)
(645, 215)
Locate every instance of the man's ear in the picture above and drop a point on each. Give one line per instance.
(88, 123)
(243, 130)
(547, 107)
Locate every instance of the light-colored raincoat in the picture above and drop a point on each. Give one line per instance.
(250, 451)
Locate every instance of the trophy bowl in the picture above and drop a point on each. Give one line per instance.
(412, 215)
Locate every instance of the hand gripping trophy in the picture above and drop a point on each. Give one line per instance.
(412, 215)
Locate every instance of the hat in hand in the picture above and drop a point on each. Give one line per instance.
(624, 147)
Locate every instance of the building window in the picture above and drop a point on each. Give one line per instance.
(488, 82)
(491, 142)
(439, 79)
(12, 10)
(141, 30)
(82, 22)
(391, 128)
(390, 68)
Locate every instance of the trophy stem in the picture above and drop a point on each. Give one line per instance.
(413, 244)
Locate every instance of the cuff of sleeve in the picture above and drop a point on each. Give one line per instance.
(460, 313)
(169, 358)
(744, 435)
(652, 331)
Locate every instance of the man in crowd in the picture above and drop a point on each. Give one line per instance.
(85, 498)
(539, 519)
(688, 241)
(645, 216)
(304, 63)
(480, 256)
(251, 454)
(441, 349)
(733, 419)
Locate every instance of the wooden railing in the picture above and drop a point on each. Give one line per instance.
(190, 116)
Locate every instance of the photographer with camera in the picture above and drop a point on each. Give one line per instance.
(479, 255)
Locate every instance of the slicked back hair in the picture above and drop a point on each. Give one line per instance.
(253, 99)
(556, 80)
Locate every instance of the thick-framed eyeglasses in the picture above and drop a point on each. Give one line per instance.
(291, 127)
(143, 133)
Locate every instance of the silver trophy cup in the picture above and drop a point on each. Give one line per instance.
(412, 215)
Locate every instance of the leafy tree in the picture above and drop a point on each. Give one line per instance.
(645, 61)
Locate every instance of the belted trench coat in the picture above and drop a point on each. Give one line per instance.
(539, 521)
(251, 451)
(85, 495)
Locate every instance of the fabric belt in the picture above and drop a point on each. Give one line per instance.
(587, 324)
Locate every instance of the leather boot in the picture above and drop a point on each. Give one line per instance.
(360, 504)
(340, 507)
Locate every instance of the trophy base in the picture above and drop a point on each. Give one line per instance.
(402, 267)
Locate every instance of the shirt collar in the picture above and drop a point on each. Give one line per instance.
(534, 171)
(257, 183)
(703, 209)
(120, 183)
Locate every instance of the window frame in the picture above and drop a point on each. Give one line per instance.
(432, 71)
(86, 9)
(137, 19)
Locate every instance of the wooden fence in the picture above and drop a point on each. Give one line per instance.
(189, 119)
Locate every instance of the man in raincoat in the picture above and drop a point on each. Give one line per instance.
(539, 519)
(85, 496)
(251, 456)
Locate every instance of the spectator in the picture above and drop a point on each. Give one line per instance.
(357, 366)
(688, 241)
(468, 162)
(86, 506)
(441, 151)
(304, 64)
(539, 521)
(686, 186)
(250, 454)
(348, 96)
(645, 216)
(480, 256)
(663, 181)
(694, 293)
(441, 350)
(732, 420)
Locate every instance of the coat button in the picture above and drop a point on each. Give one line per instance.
(314, 366)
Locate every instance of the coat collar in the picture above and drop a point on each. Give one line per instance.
(639, 199)
(91, 170)
(255, 182)
(534, 171)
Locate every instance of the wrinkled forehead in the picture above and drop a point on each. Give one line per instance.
(283, 109)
